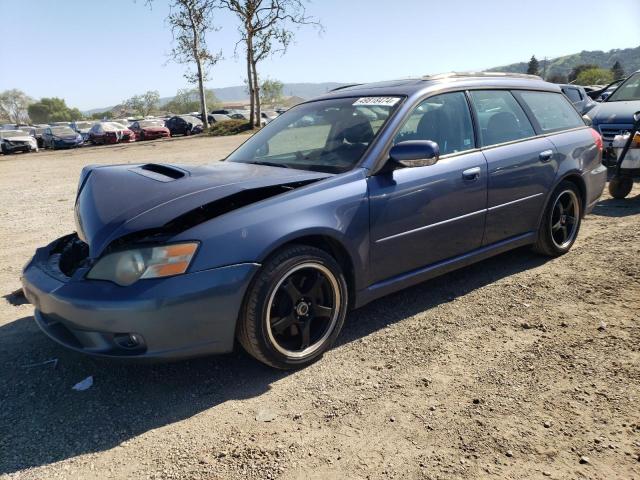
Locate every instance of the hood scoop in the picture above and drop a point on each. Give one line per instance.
(161, 173)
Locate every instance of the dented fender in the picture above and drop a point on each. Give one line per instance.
(335, 208)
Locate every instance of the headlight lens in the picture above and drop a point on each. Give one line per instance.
(129, 266)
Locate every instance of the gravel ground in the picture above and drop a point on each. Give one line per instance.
(518, 367)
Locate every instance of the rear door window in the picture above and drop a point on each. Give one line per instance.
(552, 111)
(444, 119)
(500, 117)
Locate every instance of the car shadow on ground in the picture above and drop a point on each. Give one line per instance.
(613, 207)
(42, 420)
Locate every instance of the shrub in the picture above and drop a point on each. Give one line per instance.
(230, 127)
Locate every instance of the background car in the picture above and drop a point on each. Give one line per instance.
(82, 127)
(149, 129)
(578, 96)
(17, 141)
(61, 137)
(614, 115)
(184, 125)
(601, 94)
(106, 133)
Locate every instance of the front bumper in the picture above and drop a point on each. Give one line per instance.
(177, 317)
(17, 147)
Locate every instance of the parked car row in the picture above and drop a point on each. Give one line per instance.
(18, 137)
(31, 138)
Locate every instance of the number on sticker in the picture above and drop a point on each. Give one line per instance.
(377, 101)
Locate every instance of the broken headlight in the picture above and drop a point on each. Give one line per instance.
(129, 266)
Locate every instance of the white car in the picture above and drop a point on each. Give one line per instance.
(17, 141)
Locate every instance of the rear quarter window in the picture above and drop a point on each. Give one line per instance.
(552, 111)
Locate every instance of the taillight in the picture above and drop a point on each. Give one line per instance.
(598, 139)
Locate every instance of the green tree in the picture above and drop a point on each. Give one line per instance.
(595, 76)
(53, 109)
(13, 106)
(617, 70)
(144, 104)
(188, 100)
(578, 69)
(557, 78)
(534, 66)
(190, 21)
(266, 27)
(108, 114)
(271, 92)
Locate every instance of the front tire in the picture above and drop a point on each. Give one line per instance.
(561, 221)
(294, 309)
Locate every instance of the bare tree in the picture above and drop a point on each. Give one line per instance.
(190, 21)
(13, 106)
(266, 28)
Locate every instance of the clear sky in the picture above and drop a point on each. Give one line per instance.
(95, 53)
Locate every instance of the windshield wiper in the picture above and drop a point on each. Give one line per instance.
(270, 164)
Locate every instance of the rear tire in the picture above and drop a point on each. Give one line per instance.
(560, 222)
(294, 308)
(620, 186)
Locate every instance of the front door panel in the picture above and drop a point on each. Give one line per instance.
(422, 215)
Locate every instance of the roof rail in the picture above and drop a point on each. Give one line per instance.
(345, 86)
(440, 76)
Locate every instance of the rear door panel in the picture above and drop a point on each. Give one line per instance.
(518, 184)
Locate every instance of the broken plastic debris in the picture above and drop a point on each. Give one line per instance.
(265, 415)
(83, 385)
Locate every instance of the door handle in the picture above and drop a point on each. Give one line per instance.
(471, 173)
(545, 156)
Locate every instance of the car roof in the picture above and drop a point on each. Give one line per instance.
(411, 86)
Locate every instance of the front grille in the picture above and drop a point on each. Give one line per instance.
(73, 252)
(609, 132)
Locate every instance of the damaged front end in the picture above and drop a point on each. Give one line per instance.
(122, 205)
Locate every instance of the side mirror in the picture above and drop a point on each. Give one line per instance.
(587, 120)
(415, 153)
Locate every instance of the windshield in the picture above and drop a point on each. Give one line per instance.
(151, 123)
(326, 136)
(629, 90)
(63, 131)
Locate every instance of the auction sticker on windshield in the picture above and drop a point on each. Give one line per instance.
(377, 101)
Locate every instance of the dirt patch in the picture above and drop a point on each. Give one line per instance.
(517, 367)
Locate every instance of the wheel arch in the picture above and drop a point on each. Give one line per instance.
(573, 177)
(578, 181)
(333, 247)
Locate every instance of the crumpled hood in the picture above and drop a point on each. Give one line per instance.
(615, 112)
(114, 201)
(20, 138)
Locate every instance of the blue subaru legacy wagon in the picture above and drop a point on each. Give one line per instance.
(343, 199)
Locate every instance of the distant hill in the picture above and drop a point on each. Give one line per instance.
(628, 57)
(239, 93)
